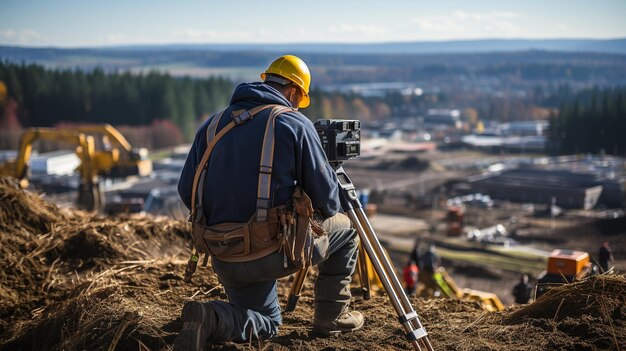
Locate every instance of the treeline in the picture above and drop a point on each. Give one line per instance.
(47, 97)
(555, 71)
(347, 106)
(593, 122)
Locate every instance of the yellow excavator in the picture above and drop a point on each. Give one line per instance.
(107, 162)
(117, 158)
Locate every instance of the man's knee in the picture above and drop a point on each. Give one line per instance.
(337, 222)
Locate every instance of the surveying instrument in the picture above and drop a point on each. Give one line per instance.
(341, 141)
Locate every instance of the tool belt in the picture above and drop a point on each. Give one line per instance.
(289, 228)
(238, 242)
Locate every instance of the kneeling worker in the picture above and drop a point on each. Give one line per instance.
(247, 186)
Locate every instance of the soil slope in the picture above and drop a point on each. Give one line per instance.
(77, 281)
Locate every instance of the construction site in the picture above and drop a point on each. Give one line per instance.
(76, 280)
(187, 176)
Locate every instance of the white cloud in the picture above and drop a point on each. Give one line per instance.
(461, 23)
(488, 16)
(563, 28)
(356, 29)
(191, 35)
(343, 31)
(439, 24)
(21, 36)
(116, 38)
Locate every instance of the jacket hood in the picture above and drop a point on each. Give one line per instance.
(256, 94)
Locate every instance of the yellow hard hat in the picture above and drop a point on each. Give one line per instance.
(295, 70)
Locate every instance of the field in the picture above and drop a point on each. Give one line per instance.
(75, 281)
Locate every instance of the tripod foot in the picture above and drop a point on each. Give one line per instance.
(292, 301)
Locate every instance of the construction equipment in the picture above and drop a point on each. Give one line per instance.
(107, 162)
(454, 218)
(488, 301)
(89, 194)
(564, 266)
(116, 157)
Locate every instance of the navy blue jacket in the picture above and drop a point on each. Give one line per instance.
(230, 190)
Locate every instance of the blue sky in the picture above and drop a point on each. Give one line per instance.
(114, 22)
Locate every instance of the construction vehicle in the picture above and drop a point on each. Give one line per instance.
(564, 266)
(448, 287)
(116, 156)
(94, 163)
(454, 219)
(89, 194)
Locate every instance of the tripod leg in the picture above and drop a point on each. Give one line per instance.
(363, 273)
(296, 289)
(415, 332)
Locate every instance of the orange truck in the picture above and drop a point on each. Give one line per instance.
(564, 266)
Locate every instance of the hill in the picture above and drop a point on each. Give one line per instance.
(417, 47)
(75, 281)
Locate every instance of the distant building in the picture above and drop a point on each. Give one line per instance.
(496, 143)
(442, 118)
(569, 189)
(7, 155)
(527, 136)
(58, 163)
(380, 89)
(523, 128)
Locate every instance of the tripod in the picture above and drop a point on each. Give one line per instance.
(408, 318)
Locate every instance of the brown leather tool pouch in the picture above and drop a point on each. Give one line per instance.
(239, 242)
(300, 229)
(227, 239)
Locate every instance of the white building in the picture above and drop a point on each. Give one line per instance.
(61, 162)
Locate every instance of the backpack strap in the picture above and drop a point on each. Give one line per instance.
(239, 117)
(267, 161)
(198, 187)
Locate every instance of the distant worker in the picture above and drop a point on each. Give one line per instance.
(429, 265)
(605, 257)
(410, 274)
(247, 197)
(430, 260)
(522, 290)
(414, 256)
(411, 270)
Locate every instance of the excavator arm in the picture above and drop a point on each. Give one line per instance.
(118, 159)
(89, 196)
(85, 149)
(113, 135)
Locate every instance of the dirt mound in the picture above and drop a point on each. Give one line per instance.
(74, 281)
(50, 255)
(588, 315)
(21, 211)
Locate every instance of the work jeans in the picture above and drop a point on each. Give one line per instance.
(253, 310)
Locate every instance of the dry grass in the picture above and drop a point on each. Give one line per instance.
(75, 281)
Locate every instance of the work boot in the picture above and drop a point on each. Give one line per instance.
(199, 322)
(346, 322)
